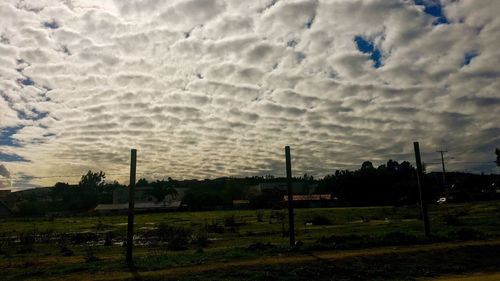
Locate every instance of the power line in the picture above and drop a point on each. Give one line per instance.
(462, 162)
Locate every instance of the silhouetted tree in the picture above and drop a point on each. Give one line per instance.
(142, 182)
(89, 188)
(367, 166)
(92, 180)
(162, 189)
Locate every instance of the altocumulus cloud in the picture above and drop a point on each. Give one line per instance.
(218, 87)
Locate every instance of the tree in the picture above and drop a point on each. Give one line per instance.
(88, 190)
(162, 189)
(392, 166)
(142, 182)
(92, 180)
(497, 152)
(367, 166)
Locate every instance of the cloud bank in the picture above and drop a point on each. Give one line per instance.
(218, 87)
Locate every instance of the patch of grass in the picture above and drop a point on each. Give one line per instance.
(320, 220)
(89, 255)
(384, 226)
(403, 266)
(467, 234)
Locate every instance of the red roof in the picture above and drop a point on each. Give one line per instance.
(311, 197)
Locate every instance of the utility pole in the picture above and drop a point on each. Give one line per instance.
(291, 223)
(421, 190)
(442, 163)
(131, 201)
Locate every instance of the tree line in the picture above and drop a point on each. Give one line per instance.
(391, 183)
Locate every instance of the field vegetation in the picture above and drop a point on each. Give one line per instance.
(48, 248)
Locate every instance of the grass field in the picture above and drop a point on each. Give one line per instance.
(45, 249)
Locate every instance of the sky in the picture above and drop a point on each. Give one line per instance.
(210, 88)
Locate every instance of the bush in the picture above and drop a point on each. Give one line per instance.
(320, 220)
(201, 240)
(65, 251)
(466, 234)
(399, 238)
(45, 236)
(214, 227)
(453, 217)
(108, 239)
(259, 246)
(100, 226)
(84, 237)
(31, 209)
(6, 245)
(89, 255)
(260, 215)
(230, 221)
(26, 241)
(337, 239)
(177, 238)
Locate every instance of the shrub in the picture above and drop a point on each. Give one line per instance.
(466, 234)
(453, 217)
(108, 239)
(100, 226)
(259, 246)
(201, 239)
(89, 255)
(399, 238)
(26, 241)
(260, 215)
(214, 227)
(230, 220)
(31, 209)
(320, 220)
(65, 251)
(45, 236)
(6, 245)
(177, 238)
(344, 241)
(83, 237)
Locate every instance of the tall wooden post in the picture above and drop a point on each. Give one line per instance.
(131, 201)
(421, 190)
(291, 222)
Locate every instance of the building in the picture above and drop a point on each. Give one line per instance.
(311, 200)
(143, 201)
(297, 187)
(143, 194)
(139, 206)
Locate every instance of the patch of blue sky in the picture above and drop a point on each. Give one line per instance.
(468, 57)
(6, 136)
(5, 157)
(433, 8)
(368, 47)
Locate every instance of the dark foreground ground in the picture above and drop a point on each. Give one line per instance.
(375, 243)
(477, 260)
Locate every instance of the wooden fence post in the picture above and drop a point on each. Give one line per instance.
(421, 190)
(291, 222)
(131, 201)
